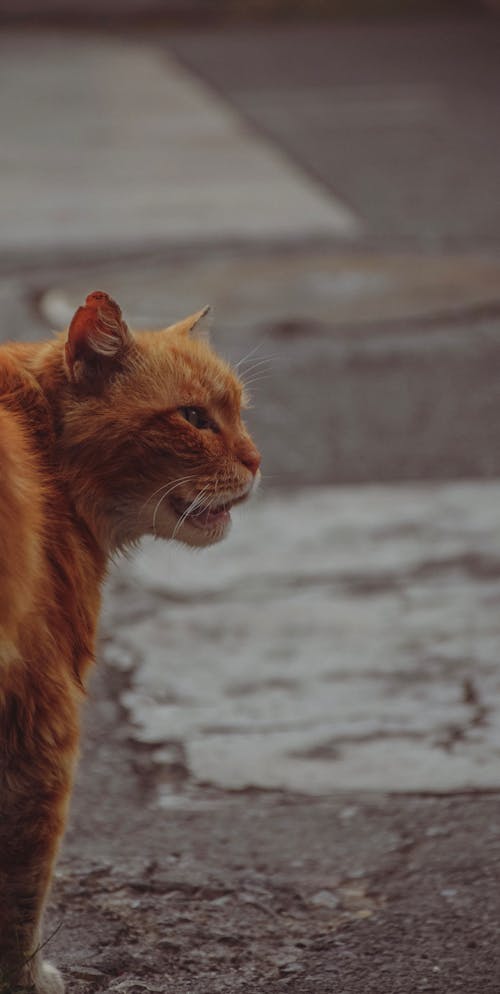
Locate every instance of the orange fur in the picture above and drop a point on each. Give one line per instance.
(105, 436)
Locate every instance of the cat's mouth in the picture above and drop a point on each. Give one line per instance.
(215, 516)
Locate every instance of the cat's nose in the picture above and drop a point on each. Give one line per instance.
(250, 457)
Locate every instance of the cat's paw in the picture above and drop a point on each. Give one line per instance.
(48, 980)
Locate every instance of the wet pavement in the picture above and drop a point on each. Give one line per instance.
(290, 767)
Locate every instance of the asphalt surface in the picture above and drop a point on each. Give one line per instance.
(380, 305)
(269, 891)
(398, 119)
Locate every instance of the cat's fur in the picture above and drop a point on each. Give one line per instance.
(105, 435)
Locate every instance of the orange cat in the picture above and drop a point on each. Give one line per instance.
(105, 436)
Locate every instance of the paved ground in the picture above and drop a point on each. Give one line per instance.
(289, 773)
(394, 117)
(132, 151)
(344, 639)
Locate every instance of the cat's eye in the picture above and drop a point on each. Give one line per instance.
(197, 417)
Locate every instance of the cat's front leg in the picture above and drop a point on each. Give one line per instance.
(24, 886)
(35, 780)
(27, 851)
(42, 977)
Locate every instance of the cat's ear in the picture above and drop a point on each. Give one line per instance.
(97, 337)
(197, 325)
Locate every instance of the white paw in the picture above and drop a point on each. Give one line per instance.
(48, 980)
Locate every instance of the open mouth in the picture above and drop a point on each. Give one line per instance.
(217, 516)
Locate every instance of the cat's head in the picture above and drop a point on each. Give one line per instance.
(152, 434)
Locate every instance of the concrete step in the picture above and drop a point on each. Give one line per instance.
(363, 366)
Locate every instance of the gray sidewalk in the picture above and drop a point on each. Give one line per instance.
(289, 776)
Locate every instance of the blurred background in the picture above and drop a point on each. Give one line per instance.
(291, 758)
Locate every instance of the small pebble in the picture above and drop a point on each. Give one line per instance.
(325, 899)
(87, 973)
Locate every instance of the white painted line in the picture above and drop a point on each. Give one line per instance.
(109, 144)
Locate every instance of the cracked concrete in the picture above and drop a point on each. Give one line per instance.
(331, 627)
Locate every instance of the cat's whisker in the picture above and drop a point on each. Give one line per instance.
(246, 383)
(180, 479)
(255, 375)
(184, 515)
(201, 501)
(189, 510)
(249, 355)
(255, 365)
(256, 379)
(212, 499)
(173, 486)
(157, 508)
(264, 370)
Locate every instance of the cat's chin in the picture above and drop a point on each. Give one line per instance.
(200, 527)
(184, 521)
(201, 541)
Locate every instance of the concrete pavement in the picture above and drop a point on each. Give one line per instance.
(342, 639)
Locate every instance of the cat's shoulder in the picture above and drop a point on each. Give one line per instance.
(12, 433)
(20, 523)
(18, 461)
(13, 373)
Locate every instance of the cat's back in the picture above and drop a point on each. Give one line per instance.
(21, 499)
(50, 566)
